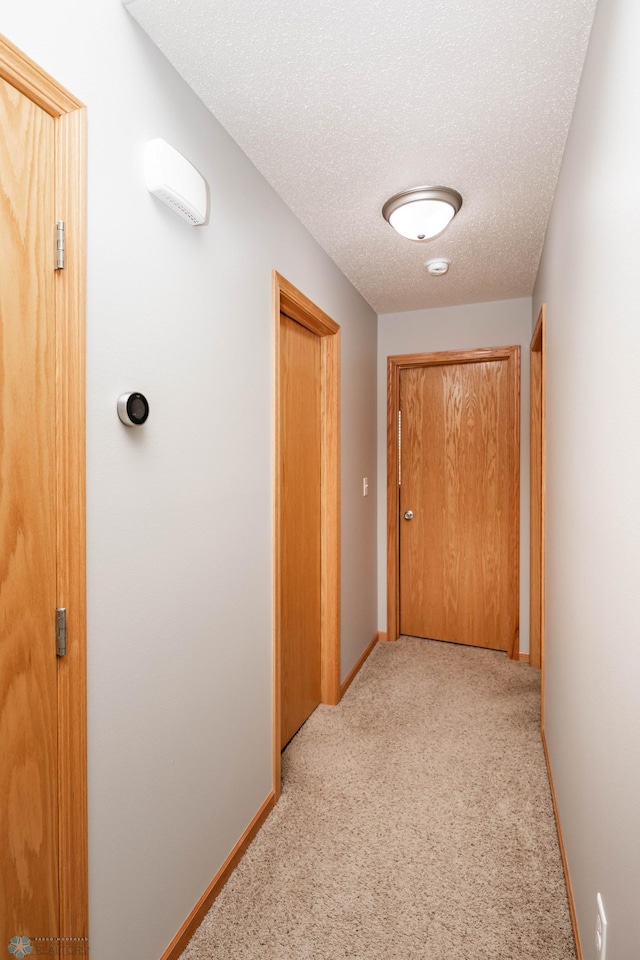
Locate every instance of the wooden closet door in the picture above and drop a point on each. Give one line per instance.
(28, 669)
(300, 473)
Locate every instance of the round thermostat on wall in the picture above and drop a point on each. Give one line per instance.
(133, 409)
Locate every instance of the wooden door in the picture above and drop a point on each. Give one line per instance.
(29, 900)
(299, 521)
(459, 503)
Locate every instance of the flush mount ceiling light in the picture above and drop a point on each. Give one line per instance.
(422, 212)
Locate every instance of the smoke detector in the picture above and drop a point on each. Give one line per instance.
(438, 268)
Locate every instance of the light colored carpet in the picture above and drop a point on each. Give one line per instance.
(415, 822)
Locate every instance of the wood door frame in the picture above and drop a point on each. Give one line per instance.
(538, 469)
(289, 300)
(70, 188)
(395, 365)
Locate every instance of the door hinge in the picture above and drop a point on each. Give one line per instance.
(59, 246)
(61, 631)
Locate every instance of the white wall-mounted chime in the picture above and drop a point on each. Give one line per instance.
(173, 180)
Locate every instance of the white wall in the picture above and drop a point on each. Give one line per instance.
(180, 512)
(589, 280)
(497, 324)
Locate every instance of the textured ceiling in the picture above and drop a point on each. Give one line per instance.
(341, 104)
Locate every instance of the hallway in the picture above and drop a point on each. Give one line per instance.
(415, 822)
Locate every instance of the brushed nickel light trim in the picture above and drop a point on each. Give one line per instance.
(441, 195)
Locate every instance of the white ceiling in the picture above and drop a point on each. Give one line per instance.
(341, 104)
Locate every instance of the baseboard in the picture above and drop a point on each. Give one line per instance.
(563, 853)
(195, 918)
(383, 636)
(524, 657)
(344, 686)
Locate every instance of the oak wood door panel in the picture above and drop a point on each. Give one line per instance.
(28, 670)
(457, 466)
(300, 542)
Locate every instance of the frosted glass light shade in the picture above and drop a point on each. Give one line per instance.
(421, 219)
(423, 212)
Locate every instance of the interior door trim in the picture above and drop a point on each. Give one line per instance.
(70, 147)
(395, 365)
(290, 301)
(538, 469)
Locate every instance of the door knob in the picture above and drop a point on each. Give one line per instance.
(408, 515)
